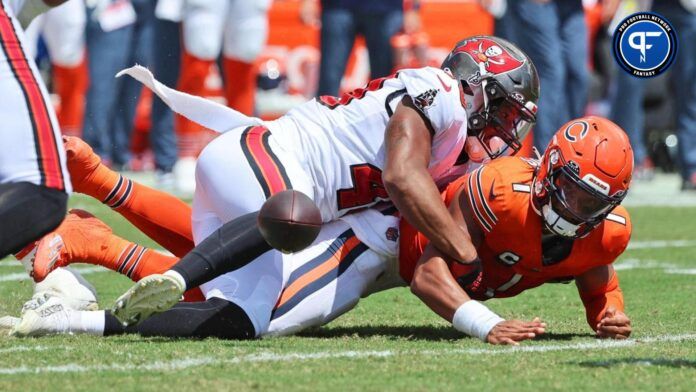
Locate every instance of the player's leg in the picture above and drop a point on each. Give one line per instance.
(378, 30)
(161, 216)
(107, 53)
(259, 168)
(245, 37)
(215, 317)
(324, 285)
(243, 303)
(338, 33)
(33, 178)
(238, 305)
(537, 33)
(64, 33)
(574, 43)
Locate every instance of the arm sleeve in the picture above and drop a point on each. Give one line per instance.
(597, 302)
(427, 87)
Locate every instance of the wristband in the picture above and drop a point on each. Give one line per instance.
(475, 319)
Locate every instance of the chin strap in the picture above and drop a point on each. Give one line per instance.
(557, 224)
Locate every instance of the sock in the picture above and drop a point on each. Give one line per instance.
(161, 216)
(71, 86)
(111, 325)
(89, 322)
(240, 85)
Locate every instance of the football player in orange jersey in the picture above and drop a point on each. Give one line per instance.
(533, 223)
(570, 226)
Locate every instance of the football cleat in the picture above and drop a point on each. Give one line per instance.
(152, 294)
(80, 238)
(68, 284)
(7, 324)
(48, 315)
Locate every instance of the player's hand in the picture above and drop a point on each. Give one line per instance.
(614, 324)
(514, 331)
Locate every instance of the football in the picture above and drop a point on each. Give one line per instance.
(289, 221)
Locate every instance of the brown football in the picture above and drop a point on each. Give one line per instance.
(289, 221)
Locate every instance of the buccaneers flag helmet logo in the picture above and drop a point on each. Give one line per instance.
(495, 59)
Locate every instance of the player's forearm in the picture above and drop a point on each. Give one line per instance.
(599, 290)
(415, 195)
(434, 285)
(597, 304)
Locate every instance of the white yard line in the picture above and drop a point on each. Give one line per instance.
(681, 271)
(661, 244)
(265, 357)
(24, 276)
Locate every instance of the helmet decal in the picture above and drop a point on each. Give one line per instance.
(597, 184)
(576, 130)
(494, 58)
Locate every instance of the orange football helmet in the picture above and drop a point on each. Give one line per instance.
(584, 173)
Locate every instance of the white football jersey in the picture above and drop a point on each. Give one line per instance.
(341, 141)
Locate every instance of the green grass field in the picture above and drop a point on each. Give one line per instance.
(393, 342)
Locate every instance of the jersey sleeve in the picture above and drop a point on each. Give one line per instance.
(485, 196)
(617, 233)
(436, 95)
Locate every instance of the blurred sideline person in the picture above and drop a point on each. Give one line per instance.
(238, 30)
(166, 64)
(63, 30)
(342, 20)
(557, 225)
(119, 33)
(554, 34)
(34, 181)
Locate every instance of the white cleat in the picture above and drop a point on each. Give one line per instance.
(44, 316)
(152, 294)
(7, 324)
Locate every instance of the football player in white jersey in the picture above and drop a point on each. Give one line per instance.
(34, 183)
(391, 140)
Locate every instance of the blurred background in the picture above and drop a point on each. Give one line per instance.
(264, 57)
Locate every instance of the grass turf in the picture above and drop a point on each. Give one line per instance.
(391, 341)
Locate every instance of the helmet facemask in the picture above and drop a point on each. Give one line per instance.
(501, 123)
(571, 207)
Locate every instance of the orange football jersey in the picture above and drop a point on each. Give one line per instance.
(499, 195)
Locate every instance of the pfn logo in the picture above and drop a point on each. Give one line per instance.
(645, 44)
(641, 45)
